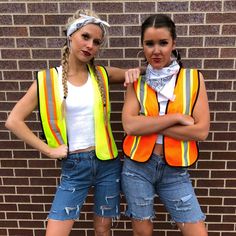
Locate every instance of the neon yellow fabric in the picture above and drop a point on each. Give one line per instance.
(53, 123)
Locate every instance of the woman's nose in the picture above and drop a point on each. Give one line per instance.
(156, 49)
(89, 44)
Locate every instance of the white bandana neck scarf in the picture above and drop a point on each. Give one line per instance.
(79, 23)
(157, 79)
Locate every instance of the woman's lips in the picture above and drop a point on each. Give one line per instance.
(157, 60)
(87, 54)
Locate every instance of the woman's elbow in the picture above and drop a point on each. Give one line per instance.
(203, 137)
(10, 123)
(129, 128)
(203, 134)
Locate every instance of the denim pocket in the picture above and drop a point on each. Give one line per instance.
(68, 165)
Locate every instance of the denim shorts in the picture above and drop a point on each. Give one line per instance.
(141, 182)
(81, 171)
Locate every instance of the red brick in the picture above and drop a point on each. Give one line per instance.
(102, 7)
(18, 215)
(172, 6)
(56, 42)
(35, 65)
(140, 7)
(13, 31)
(228, 29)
(12, 8)
(197, 18)
(69, 7)
(205, 6)
(56, 19)
(204, 29)
(20, 232)
(15, 181)
(227, 75)
(44, 31)
(48, 53)
(219, 63)
(220, 18)
(31, 42)
(228, 53)
(6, 20)
(124, 20)
(31, 224)
(28, 19)
(8, 224)
(219, 106)
(132, 31)
(42, 7)
(224, 174)
(230, 5)
(17, 198)
(14, 54)
(189, 41)
(219, 41)
(222, 227)
(203, 52)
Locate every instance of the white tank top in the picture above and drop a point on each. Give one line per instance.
(79, 116)
(168, 88)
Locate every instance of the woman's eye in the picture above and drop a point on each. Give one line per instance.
(97, 42)
(85, 36)
(163, 43)
(149, 44)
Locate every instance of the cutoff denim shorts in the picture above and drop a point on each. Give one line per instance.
(141, 182)
(80, 171)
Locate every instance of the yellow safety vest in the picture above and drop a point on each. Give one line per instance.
(176, 152)
(50, 97)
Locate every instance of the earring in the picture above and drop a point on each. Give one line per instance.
(141, 51)
(176, 54)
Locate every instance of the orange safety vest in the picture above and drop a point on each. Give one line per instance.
(50, 98)
(176, 152)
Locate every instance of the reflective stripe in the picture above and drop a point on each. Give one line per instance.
(134, 146)
(51, 106)
(186, 106)
(185, 152)
(141, 89)
(188, 92)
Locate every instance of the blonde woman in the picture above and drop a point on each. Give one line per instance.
(73, 101)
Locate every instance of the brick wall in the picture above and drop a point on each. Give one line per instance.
(31, 36)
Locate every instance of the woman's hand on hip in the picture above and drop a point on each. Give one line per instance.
(58, 152)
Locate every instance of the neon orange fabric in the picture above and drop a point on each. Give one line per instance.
(176, 152)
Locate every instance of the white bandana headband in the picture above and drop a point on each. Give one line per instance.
(77, 24)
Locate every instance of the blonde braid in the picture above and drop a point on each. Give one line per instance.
(65, 68)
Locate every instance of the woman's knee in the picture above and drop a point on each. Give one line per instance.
(102, 226)
(142, 227)
(193, 229)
